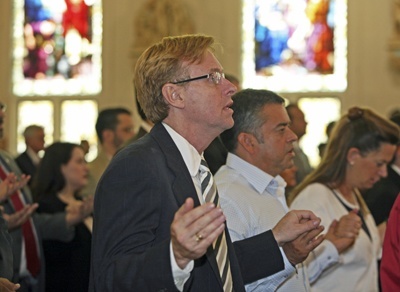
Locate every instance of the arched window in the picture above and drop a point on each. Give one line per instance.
(298, 48)
(57, 67)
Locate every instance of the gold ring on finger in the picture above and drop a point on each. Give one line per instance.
(198, 237)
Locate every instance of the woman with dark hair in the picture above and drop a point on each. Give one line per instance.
(62, 173)
(358, 152)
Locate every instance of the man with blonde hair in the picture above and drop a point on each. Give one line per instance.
(157, 221)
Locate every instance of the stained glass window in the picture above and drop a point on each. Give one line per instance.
(319, 112)
(295, 45)
(78, 119)
(57, 47)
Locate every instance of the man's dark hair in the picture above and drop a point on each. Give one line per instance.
(247, 105)
(49, 179)
(108, 120)
(395, 118)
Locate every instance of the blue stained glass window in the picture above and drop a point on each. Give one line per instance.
(304, 41)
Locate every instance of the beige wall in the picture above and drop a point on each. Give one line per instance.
(371, 82)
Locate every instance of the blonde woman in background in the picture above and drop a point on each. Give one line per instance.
(361, 146)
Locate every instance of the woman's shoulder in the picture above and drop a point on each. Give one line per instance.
(316, 187)
(315, 192)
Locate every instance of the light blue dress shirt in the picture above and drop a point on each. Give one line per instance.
(253, 202)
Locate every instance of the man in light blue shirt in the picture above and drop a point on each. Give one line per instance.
(252, 194)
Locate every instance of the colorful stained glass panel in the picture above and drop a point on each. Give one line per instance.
(295, 45)
(57, 47)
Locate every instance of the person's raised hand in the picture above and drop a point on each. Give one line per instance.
(7, 286)
(344, 232)
(294, 224)
(18, 218)
(298, 249)
(193, 230)
(88, 206)
(77, 211)
(12, 183)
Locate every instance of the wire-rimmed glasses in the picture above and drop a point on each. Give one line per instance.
(214, 77)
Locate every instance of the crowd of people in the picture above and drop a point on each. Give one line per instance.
(213, 193)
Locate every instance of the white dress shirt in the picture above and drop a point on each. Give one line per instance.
(253, 202)
(33, 156)
(395, 168)
(192, 160)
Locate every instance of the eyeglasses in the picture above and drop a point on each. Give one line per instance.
(214, 77)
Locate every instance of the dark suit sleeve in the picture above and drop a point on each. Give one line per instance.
(259, 257)
(6, 257)
(54, 226)
(131, 235)
(26, 165)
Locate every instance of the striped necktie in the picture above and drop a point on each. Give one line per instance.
(210, 194)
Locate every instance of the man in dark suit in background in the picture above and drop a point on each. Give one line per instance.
(153, 229)
(29, 159)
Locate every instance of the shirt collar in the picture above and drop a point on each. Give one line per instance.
(190, 155)
(33, 155)
(395, 168)
(255, 176)
(259, 179)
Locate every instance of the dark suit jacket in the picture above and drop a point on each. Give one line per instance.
(138, 135)
(26, 165)
(6, 258)
(135, 202)
(381, 197)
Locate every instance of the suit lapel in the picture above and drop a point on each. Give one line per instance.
(183, 184)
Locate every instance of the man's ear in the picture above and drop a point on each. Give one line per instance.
(352, 155)
(248, 142)
(172, 94)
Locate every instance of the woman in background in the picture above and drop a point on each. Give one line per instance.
(61, 174)
(357, 154)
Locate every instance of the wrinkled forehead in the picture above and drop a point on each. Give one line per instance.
(208, 61)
